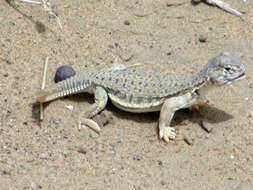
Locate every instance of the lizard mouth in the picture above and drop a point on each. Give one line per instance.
(241, 76)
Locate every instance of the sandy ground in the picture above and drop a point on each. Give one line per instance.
(54, 154)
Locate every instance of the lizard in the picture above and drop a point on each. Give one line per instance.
(140, 90)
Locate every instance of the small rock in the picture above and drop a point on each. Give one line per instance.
(4, 172)
(33, 186)
(160, 163)
(110, 46)
(127, 22)
(63, 73)
(65, 153)
(69, 107)
(202, 38)
(56, 121)
(137, 157)
(43, 156)
(163, 182)
(82, 150)
(168, 53)
(116, 44)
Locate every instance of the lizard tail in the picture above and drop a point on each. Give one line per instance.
(66, 87)
(43, 96)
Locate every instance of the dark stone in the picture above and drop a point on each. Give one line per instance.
(63, 73)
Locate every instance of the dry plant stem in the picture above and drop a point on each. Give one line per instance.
(46, 5)
(43, 86)
(30, 1)
(224, 6)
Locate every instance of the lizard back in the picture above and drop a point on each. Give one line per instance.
(130, 85)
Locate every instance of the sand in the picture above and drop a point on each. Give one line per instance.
(54, 154)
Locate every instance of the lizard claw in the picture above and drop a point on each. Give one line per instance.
(167, 133)
(89, 123)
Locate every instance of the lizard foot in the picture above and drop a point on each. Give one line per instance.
(89, 123)
(167, 133)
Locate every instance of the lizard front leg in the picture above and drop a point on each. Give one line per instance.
(170, 106)
(101, 99)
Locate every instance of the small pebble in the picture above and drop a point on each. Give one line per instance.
(160, 163)
(33, 186)
(63, 73)
(137, 157)
(116, 44)
(203, 38)
(43, 156)
(69, 107)
(82, 150)
(4, 172)
(127, 22)
(56, 121)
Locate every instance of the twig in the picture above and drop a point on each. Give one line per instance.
(47, 6)
(30, 1)
(224, 6)
(43, 86)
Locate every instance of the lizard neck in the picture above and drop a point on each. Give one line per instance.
(198, 80)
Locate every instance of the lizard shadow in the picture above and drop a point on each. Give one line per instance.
(116, 112)
(206, 113)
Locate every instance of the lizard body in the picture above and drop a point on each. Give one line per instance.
(138, 90)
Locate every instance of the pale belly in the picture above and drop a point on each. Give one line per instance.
(137, 104)
(137, 108)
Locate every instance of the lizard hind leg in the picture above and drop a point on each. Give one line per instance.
(101, 99)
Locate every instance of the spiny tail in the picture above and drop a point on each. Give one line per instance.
(67, 87)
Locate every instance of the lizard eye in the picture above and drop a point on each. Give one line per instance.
(227, 69)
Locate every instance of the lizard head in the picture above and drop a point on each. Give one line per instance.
(224, 69)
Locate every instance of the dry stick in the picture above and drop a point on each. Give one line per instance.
(224, 6)
(47, 6)
(43, 86)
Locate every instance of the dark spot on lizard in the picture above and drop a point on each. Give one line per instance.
(149, 99)
(130, 98)
(139, 100)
